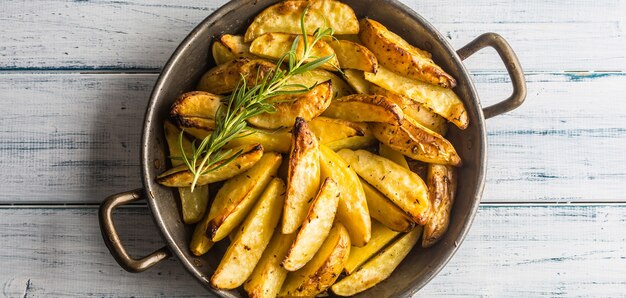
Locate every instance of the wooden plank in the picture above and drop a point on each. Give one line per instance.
(75, 138)
(55, 34)
(512, 251)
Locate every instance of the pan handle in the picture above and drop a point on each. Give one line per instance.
(513, 67)
(112, 239)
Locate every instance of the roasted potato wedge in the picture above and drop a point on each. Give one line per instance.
(441, 183)
(415, 110)
(196, 104)
(311, 78)
(230, 47)
(386, 212)
(322, 271)
(248, 245)
(398, 55)
(195, 123)
(306, 105)
(393, 155)
(352, 209)
(274, 46)
(440, 100)
(200, 242)
(237, 196)
(303, 177)
(354, 56)
(268, 275)
(316, 226)
(354, 143)
(403, 187)
(329, 130)
(277, 140)
(365, 108)
(285, 17)
(379, 267)
(193, 203)
(417, 142)
(224, 78)
(356, 80)
(381, 236)
(180, 176)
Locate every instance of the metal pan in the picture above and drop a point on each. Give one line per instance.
(192, 58)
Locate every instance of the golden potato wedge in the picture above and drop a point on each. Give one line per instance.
(224, 78)
(441, 183)
(193, 203)
(417, 142)
(329, 130)
(237, 196)
(200, 242)
(379, 267)
(316, 226)
(352, 210)
(415, 110)
(311, 78)
(365, 108)
(303, 177)
(354, 56)
(180, 176)
(195, 122)
(356, 80)
(276, 140)
(384, 211)
(393, 155)
(322, 271)
(229, 47)
(250, 241)
(268, 276)
(273, 46)
(285, 17)
(398, 55)
(403, 187)
(354, 143)
(307, 105)
(381, 236)
(196, 104)
(440, 100)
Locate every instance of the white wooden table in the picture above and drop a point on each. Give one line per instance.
(75, 77)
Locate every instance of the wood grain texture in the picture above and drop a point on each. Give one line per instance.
(577, 251)
(547, 35)
(74, 138)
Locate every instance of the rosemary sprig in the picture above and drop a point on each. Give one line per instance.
(248, 101)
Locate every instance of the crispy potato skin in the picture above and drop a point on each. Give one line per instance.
(224, 78)
(442, 182)
(365, 108)
(396, 54)
(384, 211)
(306, 105)
(417, 142)
(229, 47)
(196, 104)
(316, 226)
(353, 55)
(322, 271)
(181, 176)
(303, 176)
(285, 17)
(273, 46)
(268, 276)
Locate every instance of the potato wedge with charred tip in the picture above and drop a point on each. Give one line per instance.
(440, 100)
(417, 142)
(403, 187)
(224, 78)
(303, 176)
(180, 176)
(365, 108)
(311, 78)
(287, 107)
(384, 211)
(254, 234)
(398, 55)
(352, 209)
(200, 242)
(195, 122)
(285, 17)
(274, 45)
(220, 53)
(316, 226)
(415, 110)
(329, 129)
(228, 47)
(354, 56)
(196, 104)
(379, 267)
(193, 203)
(441, 183)
(322, 271)
(381, 236)
(268, 275)
(237, 196)
(356, 80)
